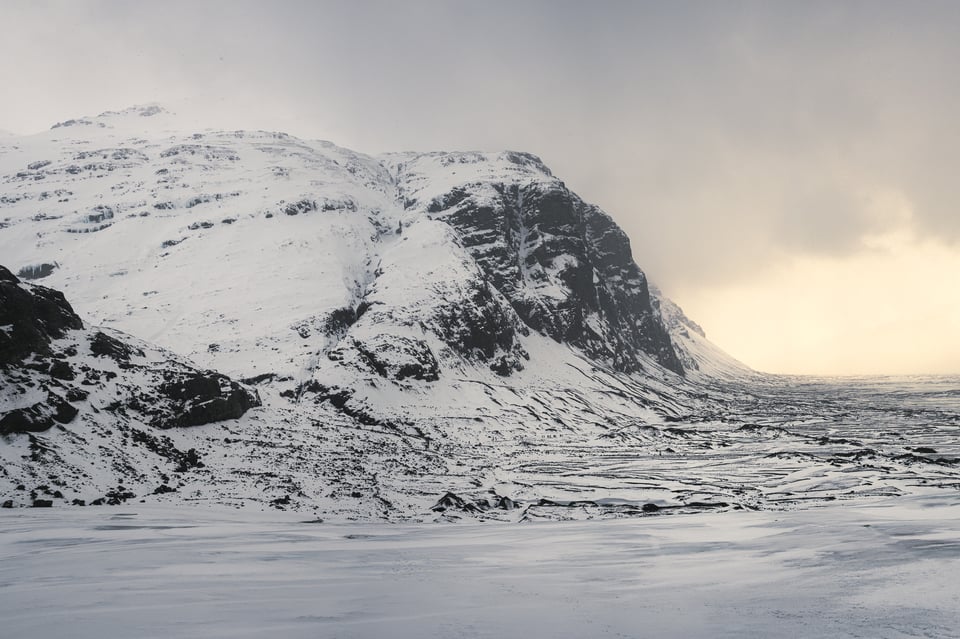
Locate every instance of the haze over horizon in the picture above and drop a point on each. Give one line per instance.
(783, 172)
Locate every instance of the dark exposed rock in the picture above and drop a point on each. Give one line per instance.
(910, 458)
(61, 370)
(76, 394)
(163, 446)
(301, 206)
(259, 379)
(481, 329)
(536, 239)
(101, 213)
(203, 397)
(450, 501)
(102, 345)
(7, 504)
(190, 459)
(399, 357)
(339, 320)
(42, 503)
(169, 395)
(334, 323)
(117, 496)
(33, 315)
(37, 271)
(717, 504)
(340, 398)
(38, 417)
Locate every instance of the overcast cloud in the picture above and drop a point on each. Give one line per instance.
(725, 137)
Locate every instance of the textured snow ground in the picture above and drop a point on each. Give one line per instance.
(885, 569)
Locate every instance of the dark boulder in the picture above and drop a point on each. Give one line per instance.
(203, 397)
(448, 501)
(102, 345)
(38, 417)
(118, 496)
(61, 370)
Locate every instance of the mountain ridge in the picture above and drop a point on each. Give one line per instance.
(438, 310)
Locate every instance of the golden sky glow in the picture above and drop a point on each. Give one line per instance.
(889, 311)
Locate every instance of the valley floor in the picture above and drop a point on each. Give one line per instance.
(884, 567)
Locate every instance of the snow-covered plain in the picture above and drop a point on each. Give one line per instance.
(883, 569)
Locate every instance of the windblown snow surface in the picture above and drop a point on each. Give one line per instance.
(453, 439)
(886, 568)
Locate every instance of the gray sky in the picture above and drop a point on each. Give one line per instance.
(777, 165)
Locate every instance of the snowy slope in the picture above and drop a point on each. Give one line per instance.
(415, 325)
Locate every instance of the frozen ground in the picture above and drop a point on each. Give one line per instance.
(881, 569)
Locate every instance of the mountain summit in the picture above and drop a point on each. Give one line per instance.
(413, 303)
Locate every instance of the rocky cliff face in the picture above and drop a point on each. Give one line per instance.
(564, 265)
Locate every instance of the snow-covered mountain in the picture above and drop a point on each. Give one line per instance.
(415, 335)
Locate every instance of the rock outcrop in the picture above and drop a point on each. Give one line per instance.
(53, 370)
(564, 265)
(30, 316)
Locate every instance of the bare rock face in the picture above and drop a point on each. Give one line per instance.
(31, 317)
(564, 265)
